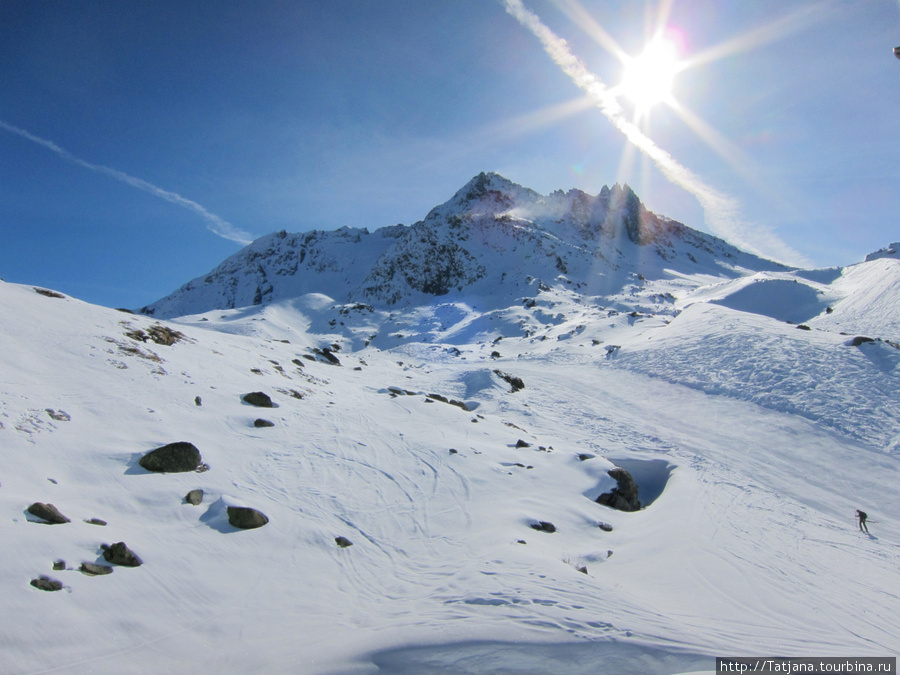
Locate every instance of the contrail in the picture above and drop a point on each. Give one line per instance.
(721, 210)
(215, 224)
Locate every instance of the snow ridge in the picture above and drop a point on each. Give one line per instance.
(493, 238)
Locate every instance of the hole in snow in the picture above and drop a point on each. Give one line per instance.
(650, 475)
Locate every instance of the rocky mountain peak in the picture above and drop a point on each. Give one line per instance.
(492, 239)
(486, 193)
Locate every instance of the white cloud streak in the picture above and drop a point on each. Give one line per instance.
(213, 222)
(722, 211)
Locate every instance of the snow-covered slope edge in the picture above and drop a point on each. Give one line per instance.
(749, 548)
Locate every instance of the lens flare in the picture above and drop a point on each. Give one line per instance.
(648, 79)
(721, 210)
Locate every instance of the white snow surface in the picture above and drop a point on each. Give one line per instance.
(754, 442)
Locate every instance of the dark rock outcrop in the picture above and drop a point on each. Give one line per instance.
(44, 583)
(94, 570)
(544, 526)
(48, 513)
(258, 399)
(327, 356)
(450, 401)
(515, 383)
(120, 554)
(260, 423)
(47, 293)
(172, 458)
(194, 497)
(343, 542)
(245, 518)
(624, 496)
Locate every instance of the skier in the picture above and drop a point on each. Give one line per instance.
(862, 521)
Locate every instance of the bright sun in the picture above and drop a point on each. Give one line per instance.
(648, 78)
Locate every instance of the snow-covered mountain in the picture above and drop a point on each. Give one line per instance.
(430, 465)
(493, 239)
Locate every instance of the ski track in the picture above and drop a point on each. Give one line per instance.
(751, 547)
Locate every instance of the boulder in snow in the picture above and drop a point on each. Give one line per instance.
(94, 570)
(44, 583)
(172, 458)
(624, 496)
(515, 383)
(120, 554)
(48, 513)
(194, 497)
(245, 518)
(258, 399)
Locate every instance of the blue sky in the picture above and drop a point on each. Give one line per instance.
(299, 115)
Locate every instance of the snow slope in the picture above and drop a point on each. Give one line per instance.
(760, 438)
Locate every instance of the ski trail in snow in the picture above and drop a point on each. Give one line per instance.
(750, 546)
(722, 486)
(104, 657)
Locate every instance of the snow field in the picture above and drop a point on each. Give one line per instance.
(750, 548)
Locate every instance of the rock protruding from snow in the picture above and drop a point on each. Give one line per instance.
(194, 497)
(258, 399)
(94, 570)
(175, 457)
(120, 554)
(515, 383)
(624, 496)
(48, 513)
(246, 518)
(45, 583)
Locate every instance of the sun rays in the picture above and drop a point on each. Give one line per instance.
(649, 80)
